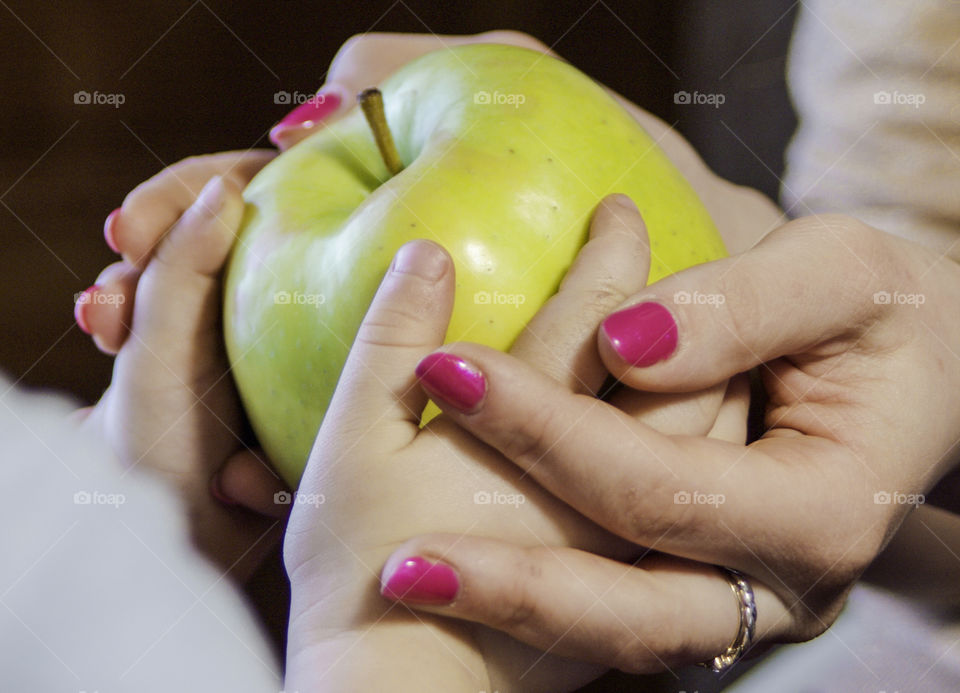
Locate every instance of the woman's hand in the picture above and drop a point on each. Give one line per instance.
(375, 477)
(171, 407)
(860, 360)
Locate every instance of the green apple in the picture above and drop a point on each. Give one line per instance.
(506, 154)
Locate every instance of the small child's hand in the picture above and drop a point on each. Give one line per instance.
(171, 406)
(375, 478)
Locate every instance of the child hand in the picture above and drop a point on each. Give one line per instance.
(171, 406)
(375, 478)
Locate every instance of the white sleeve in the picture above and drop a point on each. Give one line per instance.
(876, 86)
(100, 589)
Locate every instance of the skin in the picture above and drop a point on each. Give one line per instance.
(142, 228)
(861, 403)
(509, 197)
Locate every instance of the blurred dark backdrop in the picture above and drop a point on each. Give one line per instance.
(200, 77)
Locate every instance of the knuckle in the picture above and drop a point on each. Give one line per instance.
(527, 441)
(648, 512)
(357, 42)
(514, 38)
(393, 325)
(516, 608)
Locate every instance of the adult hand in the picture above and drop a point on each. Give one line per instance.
(861, 373)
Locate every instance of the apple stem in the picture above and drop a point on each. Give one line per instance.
(371, 101)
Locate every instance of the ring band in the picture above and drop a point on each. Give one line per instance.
(747, 607)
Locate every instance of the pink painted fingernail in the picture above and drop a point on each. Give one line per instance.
(642, 334)
(306, 115)
(80, 307)
(110, 230)
(418, 580)
(453, 380)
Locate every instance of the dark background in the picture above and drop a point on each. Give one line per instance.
(200, 77)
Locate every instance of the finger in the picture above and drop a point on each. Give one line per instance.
(643, 618)
(655, 490)
(407, 319)
(177, 304)
(111, 312)
(684, 413)
(366, 60)
(811, 282)
(731, 419)
(103, 311)
(153, 207)
(247, 479)
(560, 341)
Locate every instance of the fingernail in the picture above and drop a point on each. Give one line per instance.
(453, 380)
(624, 201)
(217, 491)
(306, 115)
(110, 230)
(80, 307)
(418, 580)
(421, 258)
(642, 334)
(210, 200)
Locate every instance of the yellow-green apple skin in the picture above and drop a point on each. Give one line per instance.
(506, 154)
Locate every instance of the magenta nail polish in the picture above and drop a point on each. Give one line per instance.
(307, 114)
(80, 307)
(642, 334)
(110, 231)
(418, 580)
(453, 380)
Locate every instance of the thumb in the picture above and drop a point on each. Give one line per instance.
(406, 321)
(809, 282)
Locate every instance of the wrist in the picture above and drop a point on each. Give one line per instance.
(346, 637)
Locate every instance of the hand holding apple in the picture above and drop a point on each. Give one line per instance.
(497, 168)
(372, 482)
